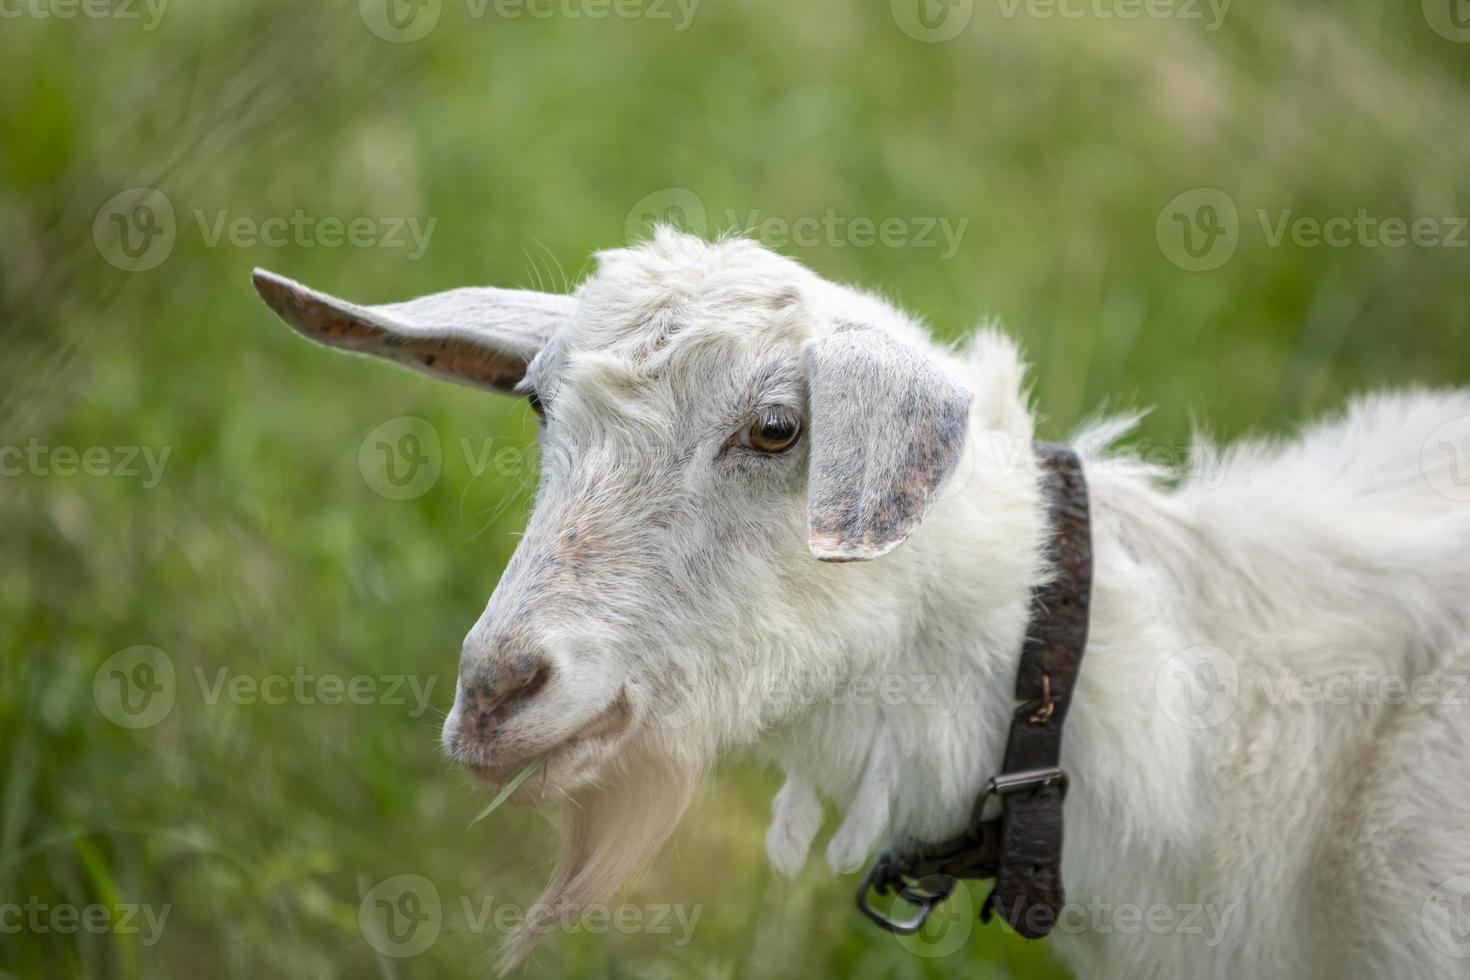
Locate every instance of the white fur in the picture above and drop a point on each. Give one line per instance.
(1310, 836)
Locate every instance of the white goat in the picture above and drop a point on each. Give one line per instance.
(717, 416)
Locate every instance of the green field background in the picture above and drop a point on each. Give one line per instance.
(1056, 143)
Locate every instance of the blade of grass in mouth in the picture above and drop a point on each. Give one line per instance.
(506, 791)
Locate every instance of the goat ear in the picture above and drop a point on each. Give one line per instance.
(477, 336)
(887, 428)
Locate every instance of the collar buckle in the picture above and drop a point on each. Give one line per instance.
(885, 877)
(927, 883)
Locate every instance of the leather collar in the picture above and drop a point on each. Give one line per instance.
(1021, 848)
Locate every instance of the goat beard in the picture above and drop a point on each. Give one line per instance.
(610, 833)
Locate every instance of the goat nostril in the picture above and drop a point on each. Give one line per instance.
(496, 691)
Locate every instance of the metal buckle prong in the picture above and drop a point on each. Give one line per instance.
(1013, 782)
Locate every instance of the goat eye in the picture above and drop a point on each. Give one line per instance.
(535, 402)
(771, 433)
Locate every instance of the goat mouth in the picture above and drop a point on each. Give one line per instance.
(559, 759)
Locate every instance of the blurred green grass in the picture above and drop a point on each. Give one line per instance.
(528, 142)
